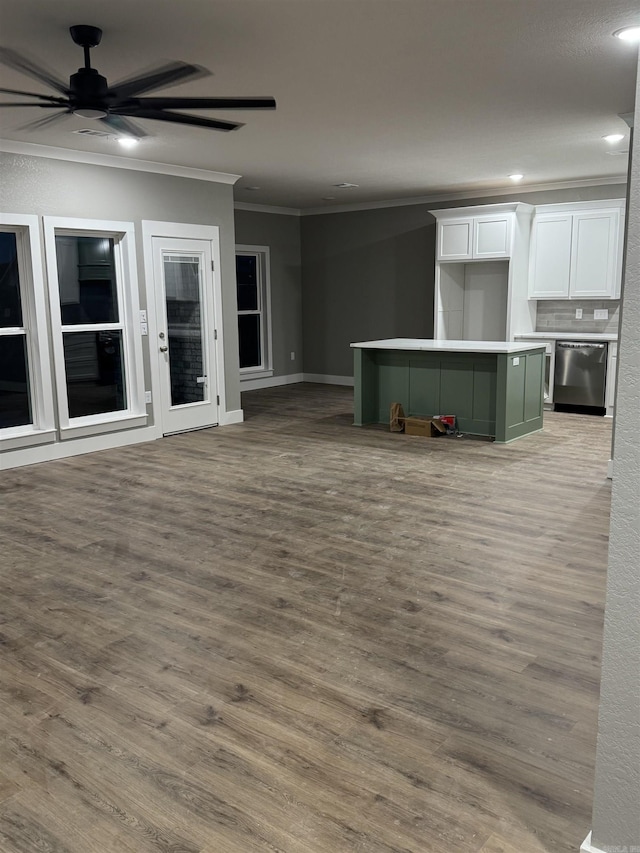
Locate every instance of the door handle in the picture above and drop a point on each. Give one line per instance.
(163, 349)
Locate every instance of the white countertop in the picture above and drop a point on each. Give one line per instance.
(567, 336)
(428, 345)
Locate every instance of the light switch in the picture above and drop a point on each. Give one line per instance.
(147, 396)
(601, 314)
(578, 313)
(516, 361)
(144, 329)
(143, 316)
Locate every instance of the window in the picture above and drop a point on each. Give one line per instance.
(94, 314)
(26, 408)
(254, 323)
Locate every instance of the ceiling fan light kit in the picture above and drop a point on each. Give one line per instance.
(89, 95)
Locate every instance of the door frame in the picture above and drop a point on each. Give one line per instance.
(181, 230)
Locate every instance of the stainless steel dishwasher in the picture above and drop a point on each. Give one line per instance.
(580, 374)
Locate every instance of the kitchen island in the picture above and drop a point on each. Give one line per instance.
(495, 388)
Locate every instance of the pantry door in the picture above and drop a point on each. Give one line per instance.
(185, 334)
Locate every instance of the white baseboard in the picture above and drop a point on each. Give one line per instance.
(293, 378)
(75, 447)
(325, 379)
(587, 846)
(235, 416)
(270, 381)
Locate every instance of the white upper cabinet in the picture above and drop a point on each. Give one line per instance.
(576, 253)
(492, 236)
(454, 239)
(472, 238)
(594, 251)
(550, 256)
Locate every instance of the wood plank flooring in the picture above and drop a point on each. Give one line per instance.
(297, 636)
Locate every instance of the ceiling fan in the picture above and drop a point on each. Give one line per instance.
(88, 94)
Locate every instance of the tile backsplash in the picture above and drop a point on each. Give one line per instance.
(559, 315)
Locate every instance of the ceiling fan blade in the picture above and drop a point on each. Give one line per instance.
(260, 103)
(166, 75)
(122, 125)
(179, 118)
(44, 122)
(51, 98)
(31, 104)
(21, 63)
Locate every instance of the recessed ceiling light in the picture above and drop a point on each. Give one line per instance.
(328, 198)
(345, 186)
(613, 137)
(516, 177)
(628, 34)
(128, 141)
(252, 189)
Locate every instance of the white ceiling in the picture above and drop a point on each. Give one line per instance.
(406, 98)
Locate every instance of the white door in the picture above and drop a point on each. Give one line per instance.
(185, 344)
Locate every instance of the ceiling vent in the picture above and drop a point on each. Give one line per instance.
(86, 131)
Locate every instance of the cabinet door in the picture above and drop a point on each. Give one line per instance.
(454, 239)
(492, 236)
(594, 254)
(617, 284)
(610, 392)
(550, 266)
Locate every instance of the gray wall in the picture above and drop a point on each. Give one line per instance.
(366, 275)
(370, 274)
(281, 234)
(37, 185)
(616, 811)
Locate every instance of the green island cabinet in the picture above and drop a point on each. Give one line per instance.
(495, 388)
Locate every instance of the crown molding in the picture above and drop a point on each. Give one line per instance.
(49, 152)
(266, 208)
(46, 151)
(521, 189)
(628, 118)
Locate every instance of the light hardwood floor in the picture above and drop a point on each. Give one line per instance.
(297, 636)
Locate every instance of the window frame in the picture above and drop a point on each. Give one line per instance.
(122, 233)
(34, 329)
(263, 267)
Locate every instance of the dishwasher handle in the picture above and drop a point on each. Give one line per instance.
(579, 345)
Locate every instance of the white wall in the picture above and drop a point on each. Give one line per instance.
(616, 812)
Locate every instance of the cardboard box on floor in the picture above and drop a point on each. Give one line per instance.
(418, 424)
(428, 427)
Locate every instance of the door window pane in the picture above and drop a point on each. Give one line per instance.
(15, 402)
(10, 307)
(95, 372)
(249, 339)
(86, 279)
(184, 328)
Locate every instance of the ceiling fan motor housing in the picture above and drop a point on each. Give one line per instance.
(88, 91)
